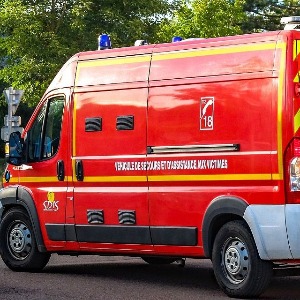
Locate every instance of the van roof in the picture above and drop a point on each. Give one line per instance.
(188, 43)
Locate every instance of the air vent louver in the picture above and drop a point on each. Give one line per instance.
(125, 123)
(93, 124)
(127, 217)
(95, 216)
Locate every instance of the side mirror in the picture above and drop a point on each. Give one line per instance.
(16, 146)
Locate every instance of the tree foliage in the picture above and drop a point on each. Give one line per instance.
(265, 15)
(204, 18)
(38, 36)
(212, 18)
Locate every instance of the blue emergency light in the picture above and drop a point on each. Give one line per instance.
(176, 39)
(104, 42)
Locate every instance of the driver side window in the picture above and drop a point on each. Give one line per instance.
(44, 136)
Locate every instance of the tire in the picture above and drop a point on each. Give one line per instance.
(158, 260)
(18, 246)
(238, 269)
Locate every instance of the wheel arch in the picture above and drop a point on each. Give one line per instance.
(20, 197)
(220, 211)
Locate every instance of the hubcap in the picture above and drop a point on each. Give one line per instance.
(19, 240)
(235, 260)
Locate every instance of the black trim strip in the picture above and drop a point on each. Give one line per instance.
(153, 235)
(193, 148)
(56, 232)
(61, 232)
(177, 236)
(70, 232)
(113, 234)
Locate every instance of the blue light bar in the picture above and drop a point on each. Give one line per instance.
(176, 39)
(104, 42)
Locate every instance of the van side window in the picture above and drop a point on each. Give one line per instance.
(44, 136)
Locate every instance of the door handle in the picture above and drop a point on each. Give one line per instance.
(60, 169)
(79, 170)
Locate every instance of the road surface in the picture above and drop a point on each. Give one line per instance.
(121, 278)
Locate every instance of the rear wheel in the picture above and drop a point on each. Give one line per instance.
(18, 246)
(238, 269)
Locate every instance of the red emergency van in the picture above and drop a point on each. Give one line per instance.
(180, 150)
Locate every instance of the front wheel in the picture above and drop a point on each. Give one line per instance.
(18, 246)
(238, 269)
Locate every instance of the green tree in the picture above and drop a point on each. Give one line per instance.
(38, 36)
(265, 15)
(204, 18)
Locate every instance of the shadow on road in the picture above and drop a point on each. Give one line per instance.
(197, 275)
(137, 270)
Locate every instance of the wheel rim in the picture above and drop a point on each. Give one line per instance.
(19, 240)
(235, 260)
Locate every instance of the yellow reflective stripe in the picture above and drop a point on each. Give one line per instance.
(115, 179)
(295, 46)
(101, 62)
(281, 79)
(202, 52)
(169, 178)
(74, 125)
(223, 177)
(277, 176)
(297, 121)
(114, 61)
(177, 54)
(166, 56)
(12, 180)
(35, 179)
(38, 179)
(296, 51)
(217, 51)
(157, 178)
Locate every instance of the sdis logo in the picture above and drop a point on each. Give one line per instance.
(51, 204)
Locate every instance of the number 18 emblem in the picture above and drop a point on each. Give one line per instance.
(207, 113)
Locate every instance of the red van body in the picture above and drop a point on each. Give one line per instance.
(186, 149)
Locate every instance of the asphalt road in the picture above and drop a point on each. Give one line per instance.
(113, 278)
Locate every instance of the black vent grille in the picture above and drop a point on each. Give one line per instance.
(127, 217)
(93, 124)
(125, 123)
(95, 216)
